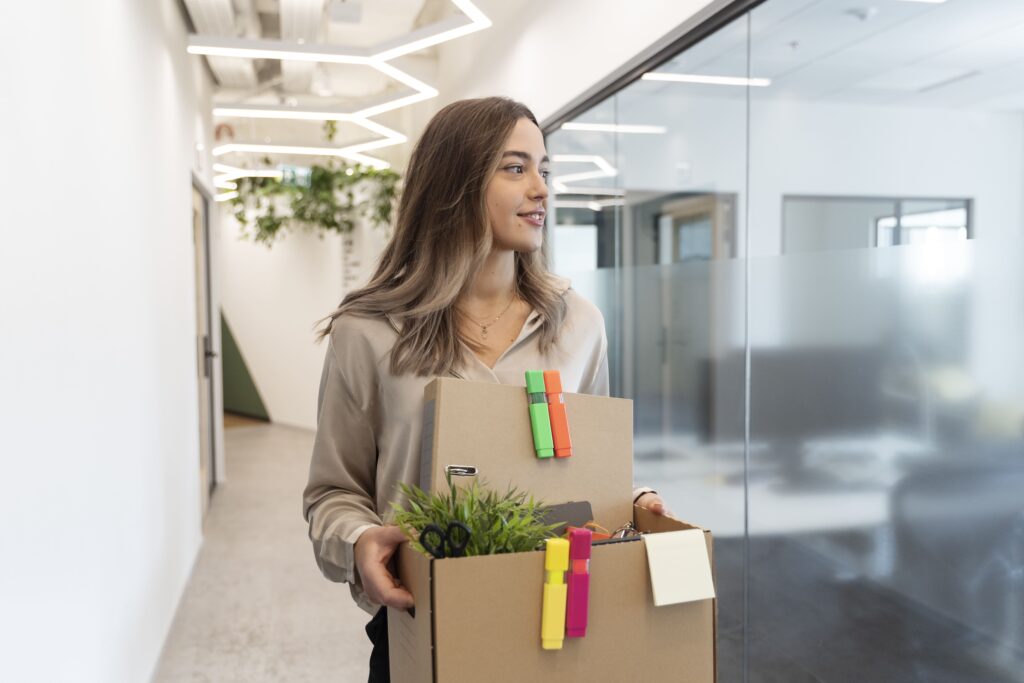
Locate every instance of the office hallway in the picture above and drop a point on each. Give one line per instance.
(256, 607)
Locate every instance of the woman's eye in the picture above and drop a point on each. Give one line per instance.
(515, 168)
(545, 174)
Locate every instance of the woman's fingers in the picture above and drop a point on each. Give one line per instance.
(654, 503)
(373, 552)
(384, 589)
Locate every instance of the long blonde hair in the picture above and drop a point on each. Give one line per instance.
(442, 237)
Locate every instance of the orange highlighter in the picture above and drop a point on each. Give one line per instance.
(556, 410)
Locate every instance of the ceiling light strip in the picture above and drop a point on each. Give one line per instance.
(605, 170)
(706, 80)
(478, 21)
(423, 91)
(342, 152)
(274, 112)
(614, 128)
(298, 51)
(592, 205)
(603, 191)
(229, 46)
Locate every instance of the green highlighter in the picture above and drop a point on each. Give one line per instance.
(540, 419)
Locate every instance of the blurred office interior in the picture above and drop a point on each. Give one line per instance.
(803, 221)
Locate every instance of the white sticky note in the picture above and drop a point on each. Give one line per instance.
(680, 568)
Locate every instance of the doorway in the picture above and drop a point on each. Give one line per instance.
(204, 344)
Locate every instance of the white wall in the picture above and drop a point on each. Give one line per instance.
(272, 299)
(99, 506)
(546, 54)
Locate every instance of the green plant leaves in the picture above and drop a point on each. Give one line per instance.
(508, 523)
(266, 207)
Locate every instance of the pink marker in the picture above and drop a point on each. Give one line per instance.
(578, 583)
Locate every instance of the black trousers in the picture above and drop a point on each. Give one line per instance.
(377, 630)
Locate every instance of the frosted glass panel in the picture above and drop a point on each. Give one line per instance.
(848, 420)
(887, 464)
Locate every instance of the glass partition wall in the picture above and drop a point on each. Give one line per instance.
(806, 234)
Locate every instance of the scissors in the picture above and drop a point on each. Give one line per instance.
(451, 542)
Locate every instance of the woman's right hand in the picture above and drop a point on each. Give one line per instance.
(374, 549)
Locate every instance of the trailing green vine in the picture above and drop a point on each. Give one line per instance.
(322, 199)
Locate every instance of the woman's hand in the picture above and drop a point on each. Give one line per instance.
(373, 551)
(654, 503)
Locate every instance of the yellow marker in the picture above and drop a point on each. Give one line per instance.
(552, 618)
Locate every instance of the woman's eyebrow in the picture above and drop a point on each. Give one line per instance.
(523, 155)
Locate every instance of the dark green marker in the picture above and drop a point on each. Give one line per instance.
(540, 420)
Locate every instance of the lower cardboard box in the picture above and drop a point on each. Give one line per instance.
(478, 619)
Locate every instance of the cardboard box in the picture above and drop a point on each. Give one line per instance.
(478, 618)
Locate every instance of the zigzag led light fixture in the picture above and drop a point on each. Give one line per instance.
(226, 175)
(604, 170)
(376, 57)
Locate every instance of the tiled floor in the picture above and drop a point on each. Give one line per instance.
(256, 608)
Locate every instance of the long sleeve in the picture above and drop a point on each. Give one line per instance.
(338, 501)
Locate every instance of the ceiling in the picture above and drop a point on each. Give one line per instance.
(368, 27)
(348, 23)
(957, 54)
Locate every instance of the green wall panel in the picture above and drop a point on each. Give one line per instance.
(240, 394)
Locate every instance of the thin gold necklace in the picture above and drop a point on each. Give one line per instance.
(484, 326)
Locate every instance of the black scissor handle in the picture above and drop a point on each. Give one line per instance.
(451, 542)
(432, 538)
(457, 537)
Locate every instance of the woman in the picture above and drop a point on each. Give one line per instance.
(461, 290)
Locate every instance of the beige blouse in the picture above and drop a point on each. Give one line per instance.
(369, 420)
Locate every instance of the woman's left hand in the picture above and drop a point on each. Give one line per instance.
(654, 503)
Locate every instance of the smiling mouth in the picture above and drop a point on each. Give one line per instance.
(537, 216)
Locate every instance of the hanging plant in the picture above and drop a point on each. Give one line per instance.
(322, 199)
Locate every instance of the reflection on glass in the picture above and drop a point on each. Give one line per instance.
(812, 223)
(883, 497)
(870, 524)
(664, 163)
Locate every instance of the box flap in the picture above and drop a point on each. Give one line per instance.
(487, 426)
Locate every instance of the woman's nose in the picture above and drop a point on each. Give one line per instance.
(540, 187)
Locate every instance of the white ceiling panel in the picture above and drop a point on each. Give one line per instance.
(828, 27)
(977, 90)
(1004, 45)
(380, 20)
(962, 53)
(354, 80)
(942, 29)
(909, 79)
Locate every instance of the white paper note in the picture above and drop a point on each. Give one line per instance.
(680, 568)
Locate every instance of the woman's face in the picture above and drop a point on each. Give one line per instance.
(517, 194)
